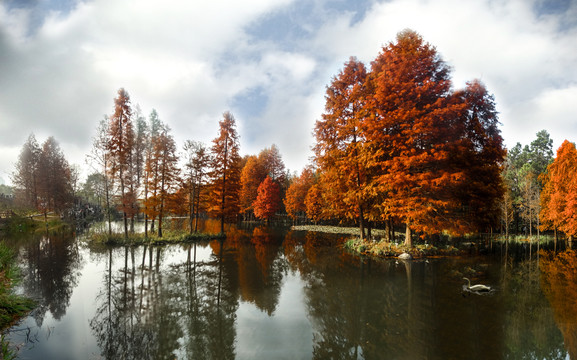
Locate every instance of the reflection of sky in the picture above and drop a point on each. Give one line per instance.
(286, 334)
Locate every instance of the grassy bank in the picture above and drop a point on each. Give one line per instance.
(28, 224)
(390, 249)
(441, 247)
(136, 239)
(12, 307)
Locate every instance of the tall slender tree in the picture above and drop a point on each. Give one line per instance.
(197, 160)
(168, 173)
(120, 149)
(339, 149)
(99, 160)
(154, 128)
(225, 174)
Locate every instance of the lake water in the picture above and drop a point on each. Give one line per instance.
(279, 294)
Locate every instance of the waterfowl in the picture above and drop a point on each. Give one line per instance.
(477, 287)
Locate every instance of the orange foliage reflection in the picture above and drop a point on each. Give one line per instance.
(559, 283)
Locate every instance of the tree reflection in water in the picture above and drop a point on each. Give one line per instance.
(205, 300)
(49, 266)
(559, 282)
(159, 311)
(361, 308)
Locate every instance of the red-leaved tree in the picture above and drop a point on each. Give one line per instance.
(267, 202)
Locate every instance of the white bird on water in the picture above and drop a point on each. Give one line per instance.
(478, 287)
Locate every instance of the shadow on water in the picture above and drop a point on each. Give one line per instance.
(269, 293)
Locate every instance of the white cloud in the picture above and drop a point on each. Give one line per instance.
(194, 60)
(518, 54)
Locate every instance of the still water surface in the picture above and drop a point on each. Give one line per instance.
(271, 294)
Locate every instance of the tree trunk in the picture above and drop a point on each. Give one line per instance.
(162, 196)
(190, 207)
(223, 185)
(387, 231)
(369, 230)
(408, 238)
(106, 186)
(123, 205)
(196, 210)
(361, 223)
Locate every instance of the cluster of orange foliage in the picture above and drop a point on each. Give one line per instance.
(297, 192)
(262, 180)
(398, 143)
(559, 195)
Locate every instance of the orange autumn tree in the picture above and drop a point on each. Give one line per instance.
(267, 202)
(251, 176)
(339, 150)
(412, 133)
(314, 203)
(294, 201)
(225, 174)
(559, 195)
(256, 169)
(399, 144)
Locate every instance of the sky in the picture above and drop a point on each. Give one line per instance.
(266, 61)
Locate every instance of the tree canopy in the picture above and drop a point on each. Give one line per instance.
(399, 143)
